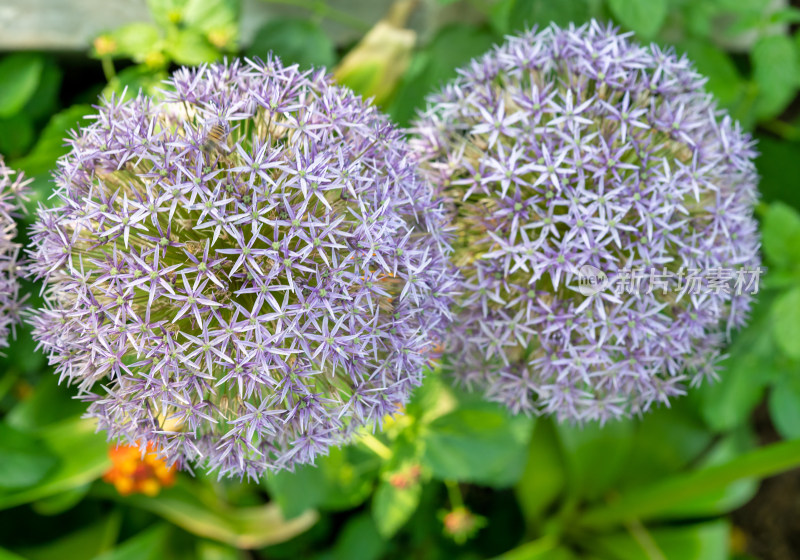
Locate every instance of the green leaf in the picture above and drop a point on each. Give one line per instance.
(703, 541)
(19, 77)
(545, 548)
(59, 503)
(83, 457)
(44, 101)
(341, 480)
(359, 540)
(478, 442)
(724, 80)
(649, 501)
(295, 41)
(544, 477)
(645, 17)
(524, 14)
(780, 235)
(86, 542)
(136, 40)
(16, 134)
(50, 403)
(8, 555)
(189, 507)
(452, 47)
(392, 506)
(718, 501)
(190, 47)
(595, 455)
(775, 68)
(148, 545)
(784, 405)
(211, 15)
(51, 143)
(728, 402)
(665, 441)
(25, 459)
(786, 317)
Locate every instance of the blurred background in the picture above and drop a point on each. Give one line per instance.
(714, 477)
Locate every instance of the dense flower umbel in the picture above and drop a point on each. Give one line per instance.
(574, 147)
(13, 188)
(250, 269)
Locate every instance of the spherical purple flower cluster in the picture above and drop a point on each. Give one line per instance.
(13, 189)
(570, 149)
(243, 273)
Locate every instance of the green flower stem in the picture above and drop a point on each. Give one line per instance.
(454, 494)
(648, 502)
(376, 446)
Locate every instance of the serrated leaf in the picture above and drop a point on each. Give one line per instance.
(645, 17)
(295, 41)
(19, 77)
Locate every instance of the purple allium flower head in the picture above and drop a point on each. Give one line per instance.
(243, 273)
(577, 148)
(13, 191)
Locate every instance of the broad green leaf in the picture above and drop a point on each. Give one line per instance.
(431, 67)
(8, 555)
(649, 501)
(595, 456)
(59, 503)
(544, 476)
(784, 405)
(786, 317)
(86, 542)
(295, 41)
(728, 401)
(208, 550)
(359, 540)
(780, 235)
(703, 541)
(83, 457)
(189, 47)
(50, 403)
(148, 545)
(211, 15)
(136, 40)
(133, 79)
(341, 480)
(724, 80)
(524, 14)
(775, 68)
(16, 134)
(545, 548)
(717, 501)
(167, 12)
(665, 440)
(24, 459)
(478, 442)
(45, 100)
(52, 144)
(19, 77)
(190, 508)
(392, 507)
(645, 17)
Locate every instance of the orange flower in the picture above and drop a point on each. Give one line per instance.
(131, 472)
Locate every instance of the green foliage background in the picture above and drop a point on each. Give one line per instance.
(659, 487)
